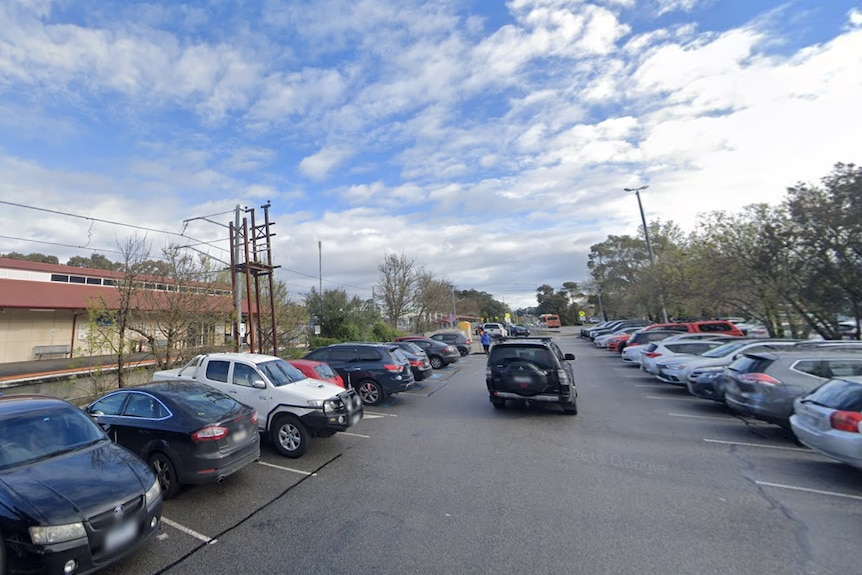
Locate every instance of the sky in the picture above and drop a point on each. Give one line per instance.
(490, 141)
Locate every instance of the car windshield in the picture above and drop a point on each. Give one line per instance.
(191, 366)
(44, 433)
(279, 372)
(324, 371)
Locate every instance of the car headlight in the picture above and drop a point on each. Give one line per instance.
(153, 493)
(315, 402)
(46, 534)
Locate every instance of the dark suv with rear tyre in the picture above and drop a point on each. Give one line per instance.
(375, 370)
(531, 370)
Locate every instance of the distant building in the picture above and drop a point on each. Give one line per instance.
(44, 309)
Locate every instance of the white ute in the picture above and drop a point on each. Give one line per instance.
(291, 407)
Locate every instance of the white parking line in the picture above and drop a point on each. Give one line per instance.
(744, 444)
(367, 413)
(806, 489)
(292, 470)
(367, 416)
(355, 435)
(650, 385)
(703, 417)
(676, 398)
(188, 531)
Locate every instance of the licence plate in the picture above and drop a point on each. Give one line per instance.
(121, 535)
(522, 379)
(240, 435)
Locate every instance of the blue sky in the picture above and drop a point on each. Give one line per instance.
(489, 140)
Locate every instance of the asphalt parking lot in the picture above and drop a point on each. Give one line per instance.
(644, 480)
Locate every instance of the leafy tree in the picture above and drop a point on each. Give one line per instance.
(32, 257)
(96, 262)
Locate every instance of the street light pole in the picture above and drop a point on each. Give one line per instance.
(637, 192)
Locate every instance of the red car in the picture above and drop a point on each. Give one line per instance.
(317, 370)
(615, 341)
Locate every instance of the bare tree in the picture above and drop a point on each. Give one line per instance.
(395, 292)
(111, 315)
(180, 304)
(433, 296)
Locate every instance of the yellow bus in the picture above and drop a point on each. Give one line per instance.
(550, 320)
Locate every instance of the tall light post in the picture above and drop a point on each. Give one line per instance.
(637, 192)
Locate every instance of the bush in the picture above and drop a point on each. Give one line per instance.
(384, 332)
(315, 342)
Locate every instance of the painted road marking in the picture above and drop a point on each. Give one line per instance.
(806, 489)
(744, 444)
(676, 398)
(367, 413)
(301, 472)
(704, 417)
(187, 531)
(355, 435)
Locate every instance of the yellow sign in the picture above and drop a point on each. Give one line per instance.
(582, 313)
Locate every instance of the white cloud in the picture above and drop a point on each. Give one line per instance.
(319, 165)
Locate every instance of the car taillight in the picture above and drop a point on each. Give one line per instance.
(846, 421)
(760, 378)
(210, 433)
(416, 362)
(254, 417)
(394, 368)
(563, 377)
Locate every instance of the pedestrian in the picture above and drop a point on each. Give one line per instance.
(485, 339)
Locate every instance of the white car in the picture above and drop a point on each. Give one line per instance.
(662, 350)
(495, 330)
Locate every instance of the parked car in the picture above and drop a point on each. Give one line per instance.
(187, 432)
(456, 338)
(717, 326)
(829, 420)
(601, 341)
(317, 370)
(531, 370)
(420, 365)
(70, 498)
(663, 350)
(375, 370)
(641, 337)
(676, 371)
(616, 326)
(439, 354)
(291, 407)
(765, 384)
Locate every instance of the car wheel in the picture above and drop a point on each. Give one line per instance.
(463, 351)
(572, 408)
(290, 437)
(498, 403)
(436, 361)
(166, 474)
(370, 392)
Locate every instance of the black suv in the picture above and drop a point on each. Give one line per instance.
(531, 370)
(455, 338)
(375, 370)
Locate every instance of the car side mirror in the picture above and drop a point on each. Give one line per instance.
(570, 356)
(258, 384)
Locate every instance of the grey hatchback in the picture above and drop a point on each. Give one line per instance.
(764, 384)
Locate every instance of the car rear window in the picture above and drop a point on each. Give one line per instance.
(710, 327)
(751, 364)
(206, 403)
(691, 347)
(539, 356)
(839, 394)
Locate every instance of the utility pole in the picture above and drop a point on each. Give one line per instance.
(637, 192)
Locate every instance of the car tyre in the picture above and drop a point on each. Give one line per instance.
(290, 437)
(498, 403)
(436, 361)
(463, 351)
(370, 392)
(166, 474)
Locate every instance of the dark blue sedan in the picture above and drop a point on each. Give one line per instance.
(189, 433)
(71, 501)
